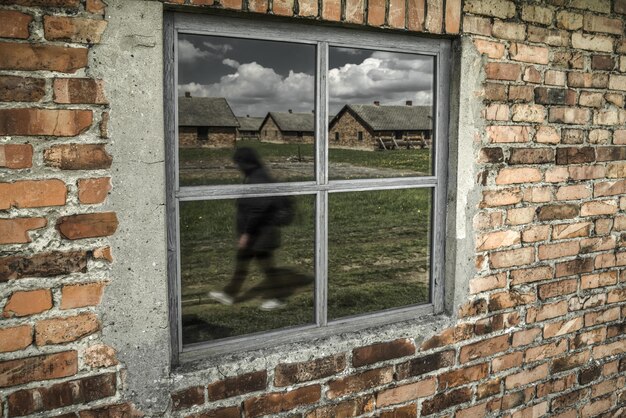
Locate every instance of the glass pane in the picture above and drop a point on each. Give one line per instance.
(241, 92)
(380, 114)
(378, 250)
(269, 279)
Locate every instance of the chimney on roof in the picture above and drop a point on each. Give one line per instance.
(187, 94)
(409, 102)
(290, 111)
(376, 103)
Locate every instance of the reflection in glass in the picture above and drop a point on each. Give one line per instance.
(268, 282)
(378, 250)
(380, 107)
(242, 92)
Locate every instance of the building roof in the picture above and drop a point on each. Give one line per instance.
(205, 111)
(247, 123)
(300, 122)
(391, 118)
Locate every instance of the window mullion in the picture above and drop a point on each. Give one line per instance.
(321, 210)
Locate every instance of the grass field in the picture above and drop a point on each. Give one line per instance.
(378, 257)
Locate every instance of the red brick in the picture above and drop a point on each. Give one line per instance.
(33, 369)
(237, 385)
(79, 90)
(531, 156)
(507, 134)
(71, 4)
(308, 8)
(408, 411)
(376, 12)
(509, 175)
(536, 233)
(15, 231)
(73, 29)
(78, 157)
(42, 265)
(88, 225)
(446, 337)
(127, 410)
(483, 284)
(545, 351)
(355, 11)
(396, 14)
(258, 6)
(94, 190)
(446, 400)
(559, 250)
(62, 330)
(521, 276)
(274, 403)
(527, 376)
(570, 115)
(29, 302)
(434, 16)
(463, 376)
(507, 361)
(359, 382)
(405, 393)
(348, 408)
(14, 56)
(477, 25)
(612, 349)
(485, 348)
(293, 373)
(81, 295)
(15, 338)
(14, 24)
(511, 258)
(453, 16)
(95, 6)
(88, 389)
(382, 351)
(509, 30)
(187, 398)
(503, 71)
(44, 122)
(570, 361)
(554, 212)
(100, 355)
(16, 156)
(559, 328)
(331, 10)
(21, 89)
(529, 53)
(501, 197)
(510, 299)
(525, 337)
(417, 14)
(546, 311)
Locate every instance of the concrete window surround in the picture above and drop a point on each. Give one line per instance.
(135, 311)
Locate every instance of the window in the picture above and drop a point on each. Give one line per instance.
(203, 133)
(295, 235)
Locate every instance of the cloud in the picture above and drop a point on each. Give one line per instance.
(255, 90)
(188, 52)
(218, 49)
(231, 63)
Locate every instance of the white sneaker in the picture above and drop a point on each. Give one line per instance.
(271, 304)
(221, 297)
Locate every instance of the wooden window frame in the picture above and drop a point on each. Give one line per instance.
(322, 37)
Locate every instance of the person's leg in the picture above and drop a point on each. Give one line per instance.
(242, 262)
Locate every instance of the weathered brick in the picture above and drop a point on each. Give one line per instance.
(587, 80)
(81, 391)
(424, 364)
(44, 122)
(545, 95)
(547, 135)
(559, 328)
(587, 172)
(187, 398)
(569, 268)
(382, 351)
(15, 338)
(376, 13)
(348, 408)
(100, 355)
(331, 10)
(526, 337)
(404, 393)
(62, 330)
(555, 78)
(594, 23)
(531, 75)
(359, 382)
(553, 212)
(521, 93)
(592, 42)
(32, 369)
(484, 348)
(521, 276)
(553, 37)
(502, 134)
(536, 233)
(16, 156)
(79, 90)
(15, 231)
(355, 11)
(273, 403)
(476, 24)
(70, 4)
(511, 258)
(598, 207)
(417, 14)
(518, 175)
(482, 284)
(491, 155)
(88, 225)
(238, 385)
(610, 153)
(569, 115)
(600, 6)
(453, 16)
(556, 174)
(78, 157)
(606, 350)
(538, 194)
(529, 53)
(81, 295)
(292, 373)
(565, 19)
(95, 6)
(509, 31)
(29, 57)
(575, 155)
(42, 265)
(434, 16)
(502, 197)
(396, 17)
(73, 29)
(30, 302)
(547, 311)
(499, 239)
(14, 24)
(560, 288)
(446, 400)
(463, 376)
(537, 14)
(125, 410)
(602, 62)
(580, 191)
(527, 376)
(531, 156)
(502, 71)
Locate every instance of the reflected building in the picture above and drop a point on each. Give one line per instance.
(249, 128)
(206, 122)
(370, 127)
(288, 127)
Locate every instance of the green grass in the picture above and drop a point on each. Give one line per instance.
(378, 259)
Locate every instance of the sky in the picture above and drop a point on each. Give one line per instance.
(256, 76)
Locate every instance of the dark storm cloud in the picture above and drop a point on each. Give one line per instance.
(260, 76)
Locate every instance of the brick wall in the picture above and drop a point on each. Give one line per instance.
(216, 137)
(543, 333)
(348, 128)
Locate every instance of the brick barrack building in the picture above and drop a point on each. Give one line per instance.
(535, 277)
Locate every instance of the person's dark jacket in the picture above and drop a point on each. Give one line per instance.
(255, 214)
